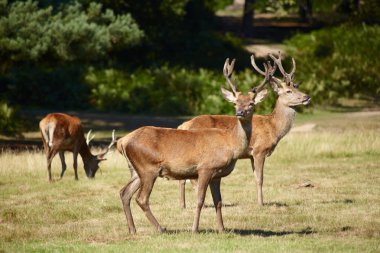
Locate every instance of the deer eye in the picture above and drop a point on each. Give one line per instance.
(288, 91)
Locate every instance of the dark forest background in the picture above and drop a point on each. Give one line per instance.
(165, 57)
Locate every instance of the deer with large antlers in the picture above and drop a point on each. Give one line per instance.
(61, 132)
(267, 130)
(203, 154)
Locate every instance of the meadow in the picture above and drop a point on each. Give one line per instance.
(338, 210)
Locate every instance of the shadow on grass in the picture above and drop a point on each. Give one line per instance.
(223, 205)
(269, 233)
(246, 232)
(338, 201)
(276, 204)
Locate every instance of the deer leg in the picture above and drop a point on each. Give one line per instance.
(143, 200)
(47, 151)
(126, 194)
(49, 158)
(259, 175)
(62, 157)
(75, 165)
(253, 164)
(182, 198)
(203, 182)
(217, 199)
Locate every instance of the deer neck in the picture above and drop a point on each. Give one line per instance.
(241, 134)
(85, 153)
(283, 117)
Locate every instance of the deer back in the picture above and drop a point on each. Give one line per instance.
(66, 131)
(179, 153)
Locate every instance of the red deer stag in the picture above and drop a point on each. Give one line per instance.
(205, 154)
(268, 130)
(61, 132)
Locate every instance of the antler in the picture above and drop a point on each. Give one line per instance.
(268, 73)
(88, 138)
(110, 146)
(288, 76)
(227, 71)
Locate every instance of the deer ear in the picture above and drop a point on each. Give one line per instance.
(228, 95)
(260, 96)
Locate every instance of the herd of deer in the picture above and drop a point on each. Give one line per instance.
(204, 149)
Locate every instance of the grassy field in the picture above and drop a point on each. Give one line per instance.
(341, 213)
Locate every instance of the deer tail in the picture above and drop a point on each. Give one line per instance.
(48, 133)
(121, 148)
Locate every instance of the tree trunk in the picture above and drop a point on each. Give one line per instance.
(306, 10)
(248, 15)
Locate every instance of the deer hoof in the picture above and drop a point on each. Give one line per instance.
(161, 230)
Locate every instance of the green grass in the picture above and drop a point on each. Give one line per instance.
(341, 213)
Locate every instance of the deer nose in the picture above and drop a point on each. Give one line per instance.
(240, 113)
(307, 97)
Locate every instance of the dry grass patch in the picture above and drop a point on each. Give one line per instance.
(340, 213)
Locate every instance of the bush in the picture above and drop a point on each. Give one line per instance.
(165, 91)
(338, 62)
(58, 88)
(9, 124)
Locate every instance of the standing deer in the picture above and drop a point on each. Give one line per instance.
(267, 130)
(61, 132)
(203, 154)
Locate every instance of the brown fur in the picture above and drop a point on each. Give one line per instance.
(267, 131)
(67, 135)
(204, 154)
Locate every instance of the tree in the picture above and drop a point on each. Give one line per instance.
(306, 10)
(248, 16)
(32, 34)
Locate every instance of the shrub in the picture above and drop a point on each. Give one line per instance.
(165, 90)
(58, 88)
(338, 62)
(9, 124)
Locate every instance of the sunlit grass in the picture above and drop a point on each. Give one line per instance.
(340, 213)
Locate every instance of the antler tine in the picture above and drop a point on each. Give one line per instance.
(113, 140)
(261, 85)
(255, 66)
(288, 77)
(227, 71)
(293, 69)
(88, 138)
(278, 63)
(272, 69)
(268, 74)
(109, 146)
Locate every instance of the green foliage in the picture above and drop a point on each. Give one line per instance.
(338, 62)
(216, 5)
(9, 124)
(30, 33)
(180, 33)
(165, 91)
(279, 7)
(58, 88)
(369, 12)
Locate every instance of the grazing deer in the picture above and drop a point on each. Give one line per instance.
(267, 130)
(61, 132)
(205, 154)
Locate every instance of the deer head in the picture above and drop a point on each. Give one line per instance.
(92, 165)
(286, 89)
(244, 104)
